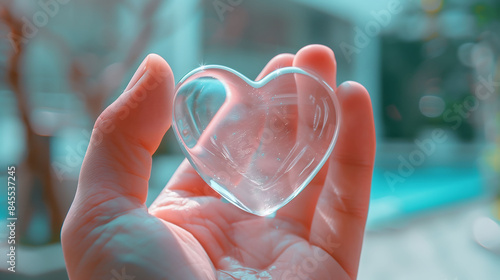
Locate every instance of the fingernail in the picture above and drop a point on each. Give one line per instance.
(138, 74)
(346, 85)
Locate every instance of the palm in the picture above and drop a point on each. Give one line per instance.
(189, 232)
(238, 243)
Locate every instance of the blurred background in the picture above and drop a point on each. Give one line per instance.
(431, 67)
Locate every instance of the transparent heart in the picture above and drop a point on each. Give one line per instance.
(258, 144)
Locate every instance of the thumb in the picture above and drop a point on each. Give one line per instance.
(126, 134)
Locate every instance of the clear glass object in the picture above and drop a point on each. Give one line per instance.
(258, 144)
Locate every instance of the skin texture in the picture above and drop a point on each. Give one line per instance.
(188, 232)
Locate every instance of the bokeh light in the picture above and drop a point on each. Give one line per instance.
(431, 106)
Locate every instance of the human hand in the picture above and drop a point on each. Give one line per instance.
(189, 232)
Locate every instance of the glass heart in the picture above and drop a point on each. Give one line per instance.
(258, 144)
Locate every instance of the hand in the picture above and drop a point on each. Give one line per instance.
(188, 232)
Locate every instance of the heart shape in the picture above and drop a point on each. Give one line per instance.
(258, 144)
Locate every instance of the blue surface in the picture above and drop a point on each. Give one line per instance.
(425, 189)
